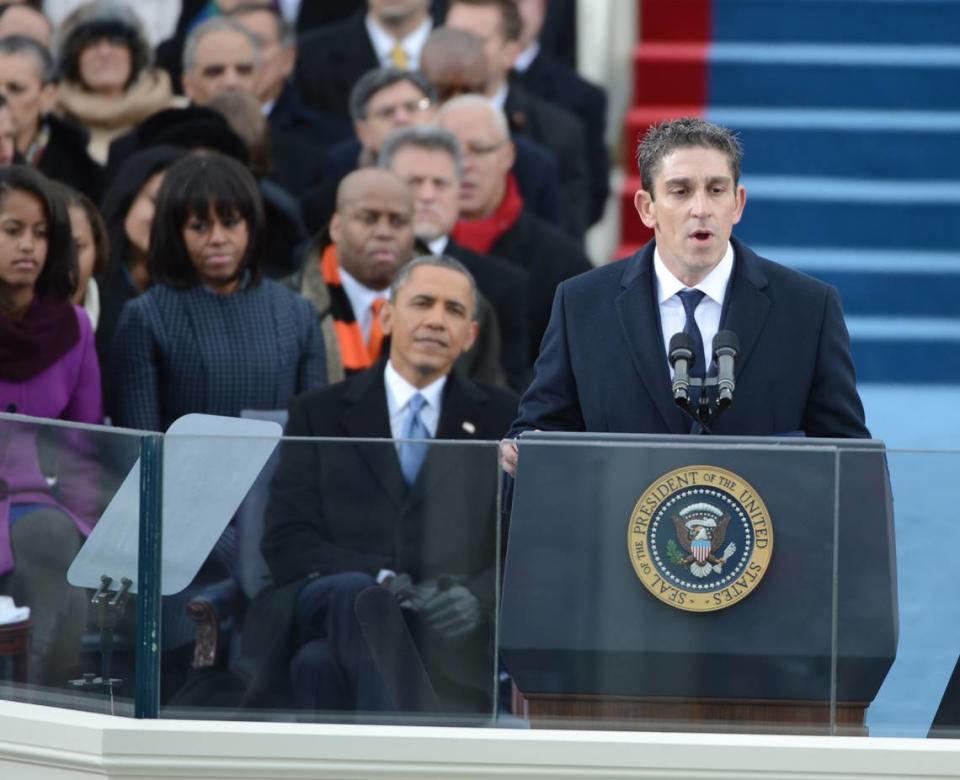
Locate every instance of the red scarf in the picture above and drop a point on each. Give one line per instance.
(481, 234)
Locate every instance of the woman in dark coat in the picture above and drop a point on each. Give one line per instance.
(128, 213)
(211, 335)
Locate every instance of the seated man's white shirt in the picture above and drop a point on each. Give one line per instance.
(399, 393)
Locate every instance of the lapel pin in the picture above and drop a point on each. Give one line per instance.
(469, 427)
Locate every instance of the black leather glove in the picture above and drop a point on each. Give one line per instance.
(410, 595)
(453, 612)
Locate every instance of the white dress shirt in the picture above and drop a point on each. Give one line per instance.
(383, 42)
(499, 99)
(290, 10)
(399, 393)
(361, 301)
(526, 57)
(707, 315)
(438, 246)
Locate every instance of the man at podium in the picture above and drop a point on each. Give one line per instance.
(603, 364)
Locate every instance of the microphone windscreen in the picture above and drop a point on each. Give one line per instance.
(726, 339)
(394, 652)
(678, 342)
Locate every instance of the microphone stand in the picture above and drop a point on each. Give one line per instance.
(725, 348)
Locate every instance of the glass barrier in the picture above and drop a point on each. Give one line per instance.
(645, 583)
(58, 647)
(920, 696)
(356, 582)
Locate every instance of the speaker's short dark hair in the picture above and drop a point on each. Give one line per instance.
(687, 132)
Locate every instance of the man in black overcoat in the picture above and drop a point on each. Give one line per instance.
(603, 363)
(347, 516)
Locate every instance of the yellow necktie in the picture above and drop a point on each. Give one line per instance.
(399, 57)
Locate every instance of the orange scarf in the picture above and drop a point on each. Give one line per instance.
(354, 353)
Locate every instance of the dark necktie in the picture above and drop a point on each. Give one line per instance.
(690, 300)
(414, 451)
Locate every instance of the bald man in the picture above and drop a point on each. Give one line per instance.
(454, 62)
(28, 22)
(348, 270)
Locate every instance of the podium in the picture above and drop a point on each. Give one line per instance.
(610, 616)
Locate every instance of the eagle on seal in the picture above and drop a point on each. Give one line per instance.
(701, 529)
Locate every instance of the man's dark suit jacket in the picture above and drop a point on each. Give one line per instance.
(562, 134)
(344, 506)
(298, 139)
(66, 160)
(505, 286)
(339, 507)
(558, 83)
(317, 14)
(330, 60)
(549, 256)
(602, 366)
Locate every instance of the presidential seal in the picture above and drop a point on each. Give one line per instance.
(700, 538)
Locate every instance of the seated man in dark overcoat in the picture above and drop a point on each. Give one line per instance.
(415, 518)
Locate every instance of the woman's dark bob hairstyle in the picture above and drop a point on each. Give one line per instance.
(101, 243)
(203, 185)
(59, 274)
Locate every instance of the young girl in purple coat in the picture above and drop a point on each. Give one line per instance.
(48, 369)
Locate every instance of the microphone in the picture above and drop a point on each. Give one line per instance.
(681, 356)
(726, 345)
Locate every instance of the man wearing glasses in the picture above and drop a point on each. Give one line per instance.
(383, 100)
(493, 217)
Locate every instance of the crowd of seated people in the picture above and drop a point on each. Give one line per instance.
(347, 209)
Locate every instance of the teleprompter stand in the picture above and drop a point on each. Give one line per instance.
(110, 606)
(207, 467)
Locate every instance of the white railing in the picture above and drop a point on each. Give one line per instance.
(56, 744)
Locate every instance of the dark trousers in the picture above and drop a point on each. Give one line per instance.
(45, 542)
(332, 668)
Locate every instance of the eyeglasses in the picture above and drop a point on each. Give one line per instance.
(388, 113)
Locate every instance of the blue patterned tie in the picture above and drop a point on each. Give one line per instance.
(413, 452)
(690, 300)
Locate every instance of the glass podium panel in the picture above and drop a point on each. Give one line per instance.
(920, 696)
(325, 586)
(58, 647)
